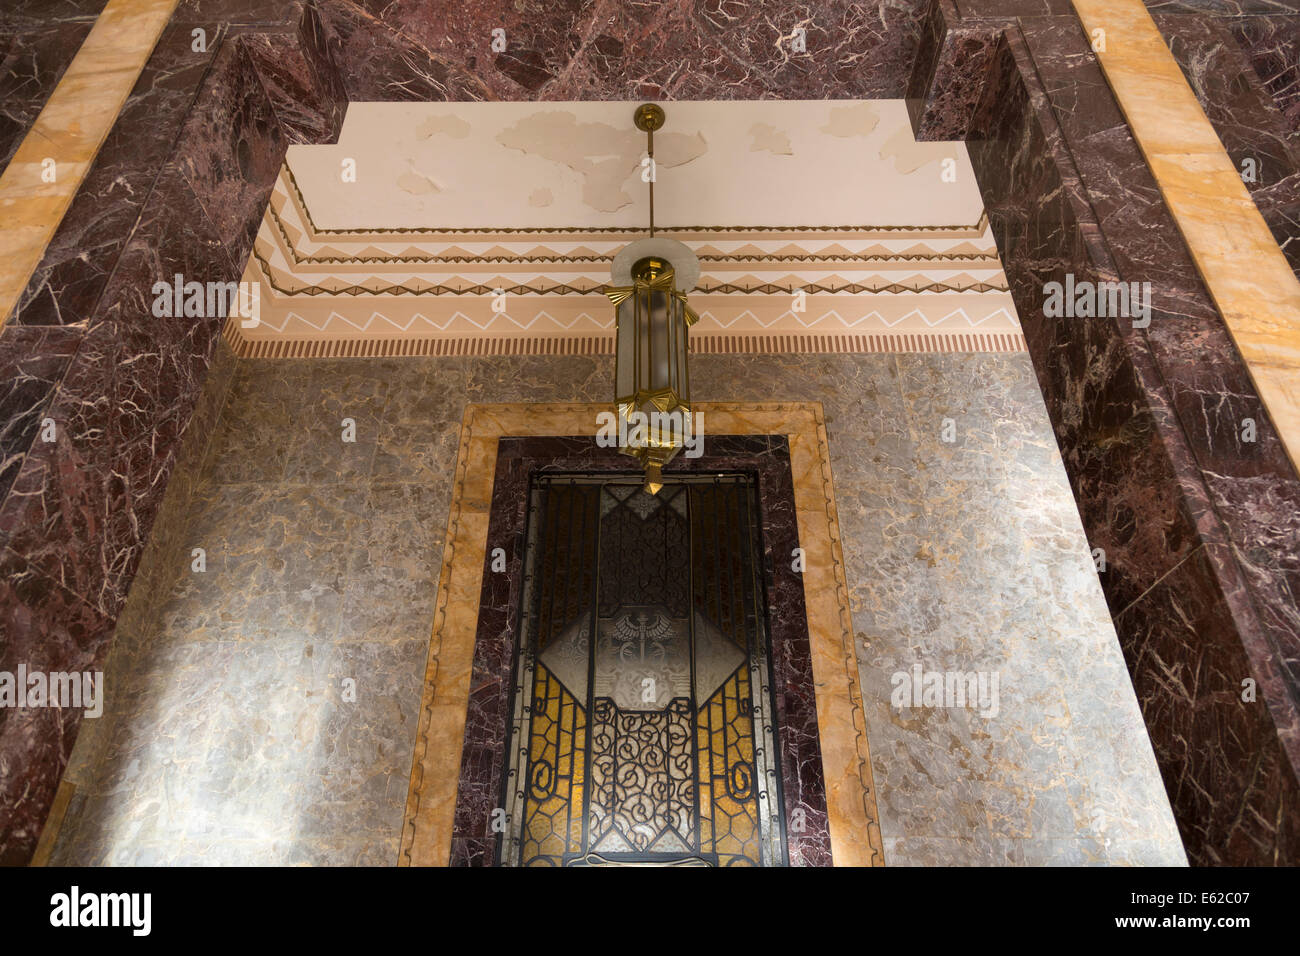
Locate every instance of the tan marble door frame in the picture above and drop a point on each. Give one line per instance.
(846, 759)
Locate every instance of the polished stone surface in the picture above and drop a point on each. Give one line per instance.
(1247, 116)
(743, 447)
(32, 61)
(1145, 421)
(229, 740)
(579, 50)
(1204, 191)
(69, 129)
(1149, 422)
(1273, 44)
(969, 556)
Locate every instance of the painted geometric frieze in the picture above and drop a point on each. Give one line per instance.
(333, 281)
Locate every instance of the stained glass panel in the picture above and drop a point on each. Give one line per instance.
(643, 730)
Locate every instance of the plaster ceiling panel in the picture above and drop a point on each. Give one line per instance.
(546, 165)
(484, 228)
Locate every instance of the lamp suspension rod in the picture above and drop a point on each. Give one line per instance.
(650, 117)
(650, 150)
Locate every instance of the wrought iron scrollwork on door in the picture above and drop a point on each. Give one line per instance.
(643, 729)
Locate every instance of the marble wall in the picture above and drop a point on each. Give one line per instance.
(583, 50)
(37, 42)
(226, 739)
(1200, 530)
(1262, 141)
(196, 148)
(1200, 527)
(1273, 44)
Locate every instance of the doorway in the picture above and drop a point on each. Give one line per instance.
(643, 726)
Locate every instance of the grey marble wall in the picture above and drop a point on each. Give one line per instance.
(228, 738)
(969, 555)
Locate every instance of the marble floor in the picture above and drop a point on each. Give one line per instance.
(264, 710)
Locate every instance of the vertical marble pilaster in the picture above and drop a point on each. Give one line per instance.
(231, 148)
(32, 361)
(1145, 420)
(1203, 190)
(949, 73)
(1273, 45)
(300, 79)
(32, 60)
(379, 63)
(70, 129)
(1256, 136)
(179, 188)
(66, 286)
(35, 743)
(1231, 785)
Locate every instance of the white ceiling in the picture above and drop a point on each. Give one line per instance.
(555, 165)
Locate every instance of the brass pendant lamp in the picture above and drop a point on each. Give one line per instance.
(651, 383)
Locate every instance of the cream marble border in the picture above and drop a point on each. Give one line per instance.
(1249, 279)
(70, 129)
(846, 759)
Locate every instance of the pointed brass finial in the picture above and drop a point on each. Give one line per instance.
(654, 478)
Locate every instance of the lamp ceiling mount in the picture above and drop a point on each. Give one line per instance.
(685, 263)
(649, 117)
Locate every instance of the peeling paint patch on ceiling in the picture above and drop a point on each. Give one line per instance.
(769, 139)
(604, 156)
(579, 165)
(452, 126)
(416, 183)
(909, 155)
(857, 120)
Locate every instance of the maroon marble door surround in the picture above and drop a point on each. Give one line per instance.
(1200, 530)
(487, 725)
